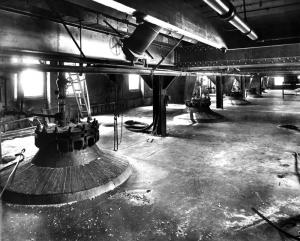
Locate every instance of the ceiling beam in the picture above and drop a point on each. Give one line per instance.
(260, 58)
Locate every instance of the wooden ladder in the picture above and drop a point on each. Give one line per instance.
(81, 94)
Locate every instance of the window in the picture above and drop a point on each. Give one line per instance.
(134, 82)
(15, 86)
(32, 83)
(75, 77)
(278, 80)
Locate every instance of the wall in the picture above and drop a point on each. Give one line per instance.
(20, 32)
(176, 91)
(102, 91)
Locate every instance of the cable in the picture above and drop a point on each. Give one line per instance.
(11, 175)
(275, 226)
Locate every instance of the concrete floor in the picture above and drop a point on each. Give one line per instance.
(198, 183)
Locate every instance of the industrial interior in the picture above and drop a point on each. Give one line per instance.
(150, 120)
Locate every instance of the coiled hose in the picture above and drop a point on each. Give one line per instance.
(137, 126)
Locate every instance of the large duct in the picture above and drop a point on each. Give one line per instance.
(135, 46)
(227, 11)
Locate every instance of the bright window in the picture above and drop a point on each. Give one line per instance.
(134, 82)
(15, 86)
(75, 77)
(32, 83)
(278, 80)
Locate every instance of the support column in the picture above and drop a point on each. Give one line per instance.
(219, 90)
(0, 149)
(159, 107)
(243, 86)
(260, 84)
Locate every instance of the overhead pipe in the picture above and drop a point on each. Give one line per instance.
(227, 11)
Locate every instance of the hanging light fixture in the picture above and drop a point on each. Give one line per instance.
(227, 11)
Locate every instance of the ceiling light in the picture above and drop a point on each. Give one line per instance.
(252, 35)
(117, 6)
(218, 6)
(237, 22)
(227, 11)
(180, 31)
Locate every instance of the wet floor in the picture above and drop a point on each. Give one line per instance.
(198, 183)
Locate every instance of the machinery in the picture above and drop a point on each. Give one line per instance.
(68, 167)
(199, 104)
(236, 94)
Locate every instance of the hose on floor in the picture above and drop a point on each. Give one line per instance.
(137, 126)
(275, 226)
(12, 174)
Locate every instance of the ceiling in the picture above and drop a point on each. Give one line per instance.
(274, 21)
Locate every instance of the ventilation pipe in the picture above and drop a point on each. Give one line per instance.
(137, 44)
(227, 11)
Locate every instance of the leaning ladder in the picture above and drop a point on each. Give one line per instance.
(81, 94)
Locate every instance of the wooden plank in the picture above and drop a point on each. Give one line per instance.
(109, 169)
(37, 178)
(90, 171)
(85, 178)
(114, 159)
(64, 178)
(43, 182)
(103, 170)
(98, 173)
(68, 181)
(56, 188)
(77, 184)
(51, 182)
(115, 162)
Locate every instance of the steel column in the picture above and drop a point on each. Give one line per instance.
(219, 90)
(260, 84)
(0, 149)
(243, 86)
(159, 107)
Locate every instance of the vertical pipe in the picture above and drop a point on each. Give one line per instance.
(219, 89)
(20, 92)
(62, 92)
